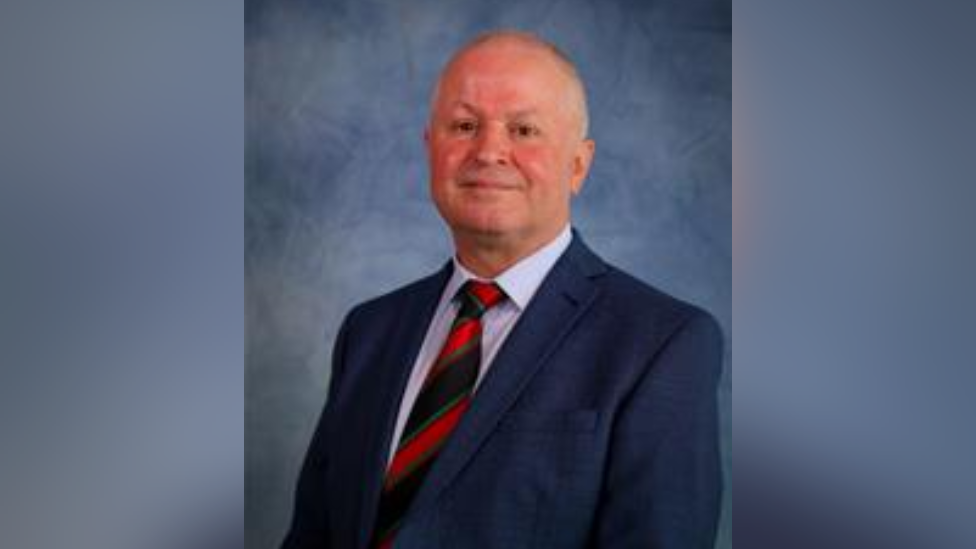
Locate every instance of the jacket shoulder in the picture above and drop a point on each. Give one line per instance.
(630, 297)
(396, 299)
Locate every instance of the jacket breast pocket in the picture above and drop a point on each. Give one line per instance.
(572, 421)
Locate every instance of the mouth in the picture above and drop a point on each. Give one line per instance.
(487, 185)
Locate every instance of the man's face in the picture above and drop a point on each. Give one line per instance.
(504, 145)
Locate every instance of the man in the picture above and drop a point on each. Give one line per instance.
(528, 395)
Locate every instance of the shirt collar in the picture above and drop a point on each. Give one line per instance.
(520, 281)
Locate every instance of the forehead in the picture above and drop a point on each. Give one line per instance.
(504, 75)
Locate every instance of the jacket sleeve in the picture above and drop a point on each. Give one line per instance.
(310, 518)
(663, 486)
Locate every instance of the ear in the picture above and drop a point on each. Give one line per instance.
(427, 140)
(582, 160)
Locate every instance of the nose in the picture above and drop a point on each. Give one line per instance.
(492, 146)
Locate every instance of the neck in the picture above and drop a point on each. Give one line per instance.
(488, 255)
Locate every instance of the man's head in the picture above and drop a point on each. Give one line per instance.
(507, 144)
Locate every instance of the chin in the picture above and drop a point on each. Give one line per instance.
(482, 231)
(485, 220)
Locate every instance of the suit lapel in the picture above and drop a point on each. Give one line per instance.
(566, 293)
(413, 318)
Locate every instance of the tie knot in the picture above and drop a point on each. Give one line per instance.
(479, 296)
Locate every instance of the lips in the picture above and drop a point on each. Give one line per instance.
(481, 184)
(488, 182)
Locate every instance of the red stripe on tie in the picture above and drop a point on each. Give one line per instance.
(456, 340)
(429, 439)
(487, 293)
(459, 336)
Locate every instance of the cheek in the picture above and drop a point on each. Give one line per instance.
(542, 169)
(447, 160)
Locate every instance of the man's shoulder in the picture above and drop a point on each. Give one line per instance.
(635, 309)
(625, 295)
(403, 296)
(629, 296)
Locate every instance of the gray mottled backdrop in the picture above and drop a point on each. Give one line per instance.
(338, 209)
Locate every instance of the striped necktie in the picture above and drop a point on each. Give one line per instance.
(443, 399)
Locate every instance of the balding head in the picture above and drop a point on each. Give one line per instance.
(573, 93)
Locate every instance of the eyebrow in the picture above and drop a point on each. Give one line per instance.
(522, 113)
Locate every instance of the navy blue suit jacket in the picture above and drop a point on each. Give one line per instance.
(595, 428)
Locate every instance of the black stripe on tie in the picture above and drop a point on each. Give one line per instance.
(459, 378)
(394, 503)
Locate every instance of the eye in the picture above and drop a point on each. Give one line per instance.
(464, 126)
(523, 130)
